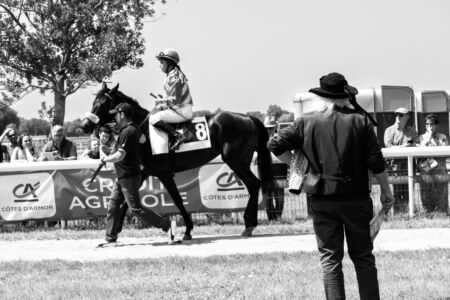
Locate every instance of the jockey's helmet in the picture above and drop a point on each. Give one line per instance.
(169, 54)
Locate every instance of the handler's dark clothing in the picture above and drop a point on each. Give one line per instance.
(332, 218)
(126, 187)
(341, 144)
(128, 141)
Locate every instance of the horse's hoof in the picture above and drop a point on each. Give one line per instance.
(248, 231)
(187, 237)
(173, 242)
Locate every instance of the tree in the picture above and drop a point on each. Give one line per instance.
(256, 114)
(288, 117)
(47, 113)
(34, 126)
(276, 111)
(8, 118)
(61, 46)
(73, 128)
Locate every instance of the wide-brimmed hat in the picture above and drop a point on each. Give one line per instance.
(334, 86)
(121, 107)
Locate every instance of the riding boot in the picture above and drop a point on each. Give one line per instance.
(176, 136)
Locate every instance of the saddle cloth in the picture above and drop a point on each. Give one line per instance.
(196, 131)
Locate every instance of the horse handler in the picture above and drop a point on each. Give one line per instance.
(128, 170)
(340, 144)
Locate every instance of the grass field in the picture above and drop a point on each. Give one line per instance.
(402, 275)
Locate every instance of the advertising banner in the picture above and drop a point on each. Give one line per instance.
(27, 196)
(67, 194)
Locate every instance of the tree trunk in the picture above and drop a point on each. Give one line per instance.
(60, 109)
(60, 102)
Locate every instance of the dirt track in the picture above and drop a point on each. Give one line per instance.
(201, 246)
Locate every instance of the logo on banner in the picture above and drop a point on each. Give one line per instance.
(22, 191)
(27, 196)
(229, 182)
(221, 188)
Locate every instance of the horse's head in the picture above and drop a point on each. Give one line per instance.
(104, 101)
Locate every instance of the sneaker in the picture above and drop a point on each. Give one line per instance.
(108, 243)
(248, 231)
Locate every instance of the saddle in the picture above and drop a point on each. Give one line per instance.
(195, 130)
(182, 136)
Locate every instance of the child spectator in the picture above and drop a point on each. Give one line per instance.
(107, 141)
(93, 152)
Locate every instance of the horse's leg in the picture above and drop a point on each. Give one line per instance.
(240, 164)
(169, 184)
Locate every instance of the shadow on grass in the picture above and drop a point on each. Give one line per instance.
(204, 240)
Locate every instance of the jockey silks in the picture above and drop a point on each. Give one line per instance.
(177, 88)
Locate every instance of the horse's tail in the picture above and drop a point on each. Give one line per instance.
(264, 157)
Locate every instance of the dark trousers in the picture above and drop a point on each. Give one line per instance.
(275, 203)
(332, 218)
(399, 169)
(401, 195)
(127, 189)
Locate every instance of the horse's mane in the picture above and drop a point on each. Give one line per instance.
(133, 102)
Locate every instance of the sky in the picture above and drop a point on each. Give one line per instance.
(244, 55)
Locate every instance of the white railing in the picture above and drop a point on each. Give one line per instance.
(60, 165)
(410, 153)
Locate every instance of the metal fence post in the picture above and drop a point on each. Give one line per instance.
(411, 186)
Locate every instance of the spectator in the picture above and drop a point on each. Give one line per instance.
(7, 150)
(4, 155)
(107, 141)
(59, 147)
(275, 195)
(25, 150)
(433, 191)
(340, 144)
(93, 151)
(400, 135)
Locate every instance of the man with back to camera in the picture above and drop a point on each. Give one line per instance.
(128, 171)
(340, 144)
(400, 135)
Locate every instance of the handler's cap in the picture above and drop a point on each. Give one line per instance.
(121, 107)
(334, 86)
(401, 110)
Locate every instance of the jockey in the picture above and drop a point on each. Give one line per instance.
(176, 107)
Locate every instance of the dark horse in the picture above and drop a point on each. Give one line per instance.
(234, 136)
